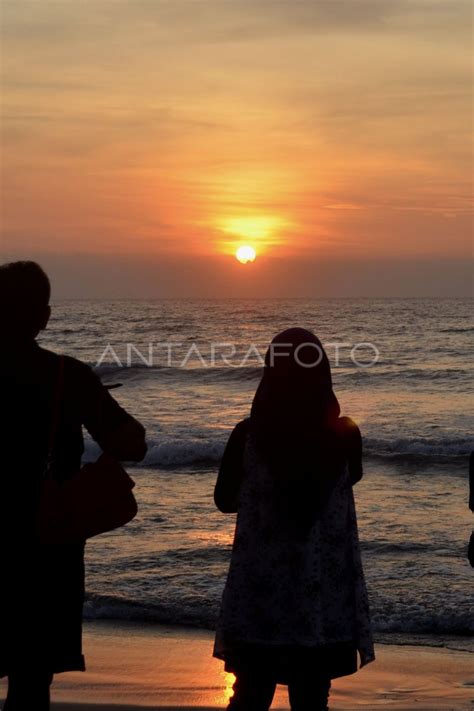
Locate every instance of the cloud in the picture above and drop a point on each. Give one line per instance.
(200, 21)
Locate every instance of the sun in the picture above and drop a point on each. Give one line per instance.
(246, 254)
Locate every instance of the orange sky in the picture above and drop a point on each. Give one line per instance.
(180, 129)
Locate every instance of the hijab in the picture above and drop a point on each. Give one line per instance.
(292, 420)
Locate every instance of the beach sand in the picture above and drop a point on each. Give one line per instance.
(131, 667)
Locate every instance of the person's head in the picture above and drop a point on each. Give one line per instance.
(25, 291)
(296, 386)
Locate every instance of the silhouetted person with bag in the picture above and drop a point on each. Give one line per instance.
(294, 608)
(42, 586)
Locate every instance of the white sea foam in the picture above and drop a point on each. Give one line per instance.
(175, 452)
(203, 614)
(178, 453)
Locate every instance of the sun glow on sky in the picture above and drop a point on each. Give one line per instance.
(332, 130)
(252, 227)
(264, 231)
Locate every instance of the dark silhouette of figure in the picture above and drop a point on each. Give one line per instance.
(470, 550)
(294, 608)
(42, 586)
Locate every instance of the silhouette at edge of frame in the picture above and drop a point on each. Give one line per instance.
(42, 590)
(294, 608)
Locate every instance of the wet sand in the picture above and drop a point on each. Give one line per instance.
(132, 667)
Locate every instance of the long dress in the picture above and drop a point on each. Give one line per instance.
(292, 598)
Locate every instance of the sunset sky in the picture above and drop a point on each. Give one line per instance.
(145, 141)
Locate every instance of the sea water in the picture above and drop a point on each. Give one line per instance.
(189, 368)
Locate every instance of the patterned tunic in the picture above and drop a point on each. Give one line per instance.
(290, 586)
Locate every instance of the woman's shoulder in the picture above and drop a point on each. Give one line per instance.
(346, 425)
(239, 433)
(348, 431)
(242, 426)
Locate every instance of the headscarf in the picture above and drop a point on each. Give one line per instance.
(292, 419)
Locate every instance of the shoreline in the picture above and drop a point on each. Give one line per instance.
(453, 643)
(133, 667)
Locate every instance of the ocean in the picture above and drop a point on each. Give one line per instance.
(189, 368)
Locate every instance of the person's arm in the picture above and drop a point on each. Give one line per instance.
(126, 442)
(229, 479)
(117, 433)
(353, 446)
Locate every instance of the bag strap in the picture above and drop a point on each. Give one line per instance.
(55, 416)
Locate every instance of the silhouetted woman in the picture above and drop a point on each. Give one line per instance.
(294, 609)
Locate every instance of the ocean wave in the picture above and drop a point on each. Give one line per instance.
(202, 613)
(176, 453)
(169, 453)
(192, 556)
(201, 374)
(397, 376)
(112, 368)
(418, 447)
(466, 329)
(388, 375)
(420, 620)
(398, 548)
